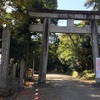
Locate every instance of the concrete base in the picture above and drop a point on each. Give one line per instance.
(98, 80)
(97, 83)
(41, 82)
(5, 92)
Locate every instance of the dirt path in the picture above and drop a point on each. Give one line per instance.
(62, 87)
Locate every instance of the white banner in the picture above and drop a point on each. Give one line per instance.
(97, 67)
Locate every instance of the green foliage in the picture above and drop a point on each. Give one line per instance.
(93, 3)
(23, 46)
(75, 51)
(22, 3)
(17, 49)
(75, 74)
(49, 4)
(18, 14)
(87, 74)
(88, 71)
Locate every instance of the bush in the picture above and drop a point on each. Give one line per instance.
(87, 74)
(87, 71)
(75, 74)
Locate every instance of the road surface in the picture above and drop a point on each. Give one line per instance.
(62, 87)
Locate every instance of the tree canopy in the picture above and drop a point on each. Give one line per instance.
(93, 3)
(17, 19)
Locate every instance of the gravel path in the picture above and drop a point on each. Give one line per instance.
(62, 87)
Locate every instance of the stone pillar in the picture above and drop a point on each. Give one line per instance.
(44, 52)
(16, 81)
(22, 73)
(14, 71)
(4, 89)
(70, 22)
(95, 46)
(33, 69)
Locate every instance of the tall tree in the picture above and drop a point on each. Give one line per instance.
(75, 50)
(22, 43)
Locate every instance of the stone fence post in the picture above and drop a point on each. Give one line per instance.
(4, 87)
(22, 73)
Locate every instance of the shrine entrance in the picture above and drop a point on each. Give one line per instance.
(47, 15)
(91, 16)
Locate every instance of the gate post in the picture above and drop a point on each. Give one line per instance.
(44, 52)
(14, 71)
(4, 88)
(22, 65)
(95, 46)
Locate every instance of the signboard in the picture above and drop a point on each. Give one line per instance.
(97, 67)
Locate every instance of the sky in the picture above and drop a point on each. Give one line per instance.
(71, 5)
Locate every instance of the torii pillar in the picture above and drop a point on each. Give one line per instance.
(4, 84)
(44, 52)
(95, 46)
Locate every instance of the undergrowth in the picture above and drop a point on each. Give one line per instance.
(87, 74)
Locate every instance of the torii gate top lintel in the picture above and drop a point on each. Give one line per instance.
(64, 14)
(69, 15)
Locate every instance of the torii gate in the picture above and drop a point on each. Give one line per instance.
(70, 16)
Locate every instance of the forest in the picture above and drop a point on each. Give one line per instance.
(67, 52)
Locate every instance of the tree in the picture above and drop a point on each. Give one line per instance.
(75, 51)
(23, 46)
(93, 3)
(18, 18)
(17, 11)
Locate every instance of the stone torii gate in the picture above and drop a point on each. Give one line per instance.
(70, 16)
